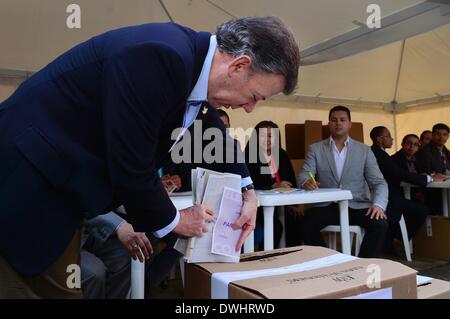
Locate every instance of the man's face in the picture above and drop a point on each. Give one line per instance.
(238, 86)
(426, 138)
(440, 137)
(339, 124)
(410, 146)
(225, 121)
(386, 139)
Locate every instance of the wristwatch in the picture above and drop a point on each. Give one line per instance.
(247, 188)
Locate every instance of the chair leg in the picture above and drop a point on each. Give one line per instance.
(405, 239)
(351, 241)
(332, 243)
(182, 270)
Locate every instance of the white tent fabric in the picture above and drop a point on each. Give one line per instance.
(410, 72)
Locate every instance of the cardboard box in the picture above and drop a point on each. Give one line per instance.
(348, 278)
(436, 289)
(433, 238)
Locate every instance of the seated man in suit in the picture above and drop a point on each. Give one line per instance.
(413, 211)
(434, 158)
(341, 162)
(425, 138)
(106, 246)
(406, 159)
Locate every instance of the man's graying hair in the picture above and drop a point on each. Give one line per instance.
(267, 41)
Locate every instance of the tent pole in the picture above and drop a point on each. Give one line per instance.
(166, 10)
(394, 117)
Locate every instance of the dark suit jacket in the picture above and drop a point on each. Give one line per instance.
(394, 175)
(400, 159)
(429, 159)
(88, 132)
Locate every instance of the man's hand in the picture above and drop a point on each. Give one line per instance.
(192, 221)
(439, 178)
(176, 180)
(134, 242)
(376, 212)
(247, 220)
(310, 185)
(282, 184)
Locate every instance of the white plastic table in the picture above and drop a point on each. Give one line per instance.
(268, 202)
(445, 186)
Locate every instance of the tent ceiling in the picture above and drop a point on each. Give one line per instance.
(34, 32)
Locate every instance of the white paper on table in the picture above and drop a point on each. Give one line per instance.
(225, 239)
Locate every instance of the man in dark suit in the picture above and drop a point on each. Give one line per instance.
(89, 132)
(434, 158)
(413, 211)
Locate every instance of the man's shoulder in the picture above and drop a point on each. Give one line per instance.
(320, 144)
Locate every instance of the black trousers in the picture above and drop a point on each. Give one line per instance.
(317, 218)
(413, 211)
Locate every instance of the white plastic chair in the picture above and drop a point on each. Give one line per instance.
(407, 244)
(333, 229)
(354, 229)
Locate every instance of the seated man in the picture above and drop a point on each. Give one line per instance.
(406, 159)
(434, 158)
(425, 138)
(341, 162)
(107, 243)
(413, 211)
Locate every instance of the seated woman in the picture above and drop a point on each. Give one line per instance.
(270, 168)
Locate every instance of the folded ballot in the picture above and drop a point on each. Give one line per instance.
(222, 193)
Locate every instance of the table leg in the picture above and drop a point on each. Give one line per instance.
(268, 227)
(345, 227)
(137, 279)
(445, 202)
(407, 192)
(281, 217)
(249, 243)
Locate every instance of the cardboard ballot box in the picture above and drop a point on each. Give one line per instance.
(433, 238)
(435, 289)
(299, 272)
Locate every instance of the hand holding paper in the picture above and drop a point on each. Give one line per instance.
(247, 220)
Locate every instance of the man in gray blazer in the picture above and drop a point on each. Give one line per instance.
(340, 162)
(107, 242)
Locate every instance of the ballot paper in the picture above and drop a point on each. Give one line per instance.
(208, 189)
(225, 238)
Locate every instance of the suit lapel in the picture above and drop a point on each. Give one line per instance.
(330, 158)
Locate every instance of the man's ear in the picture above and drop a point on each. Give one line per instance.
(239, 64)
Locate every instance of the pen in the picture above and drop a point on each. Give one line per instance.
(312, 178)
